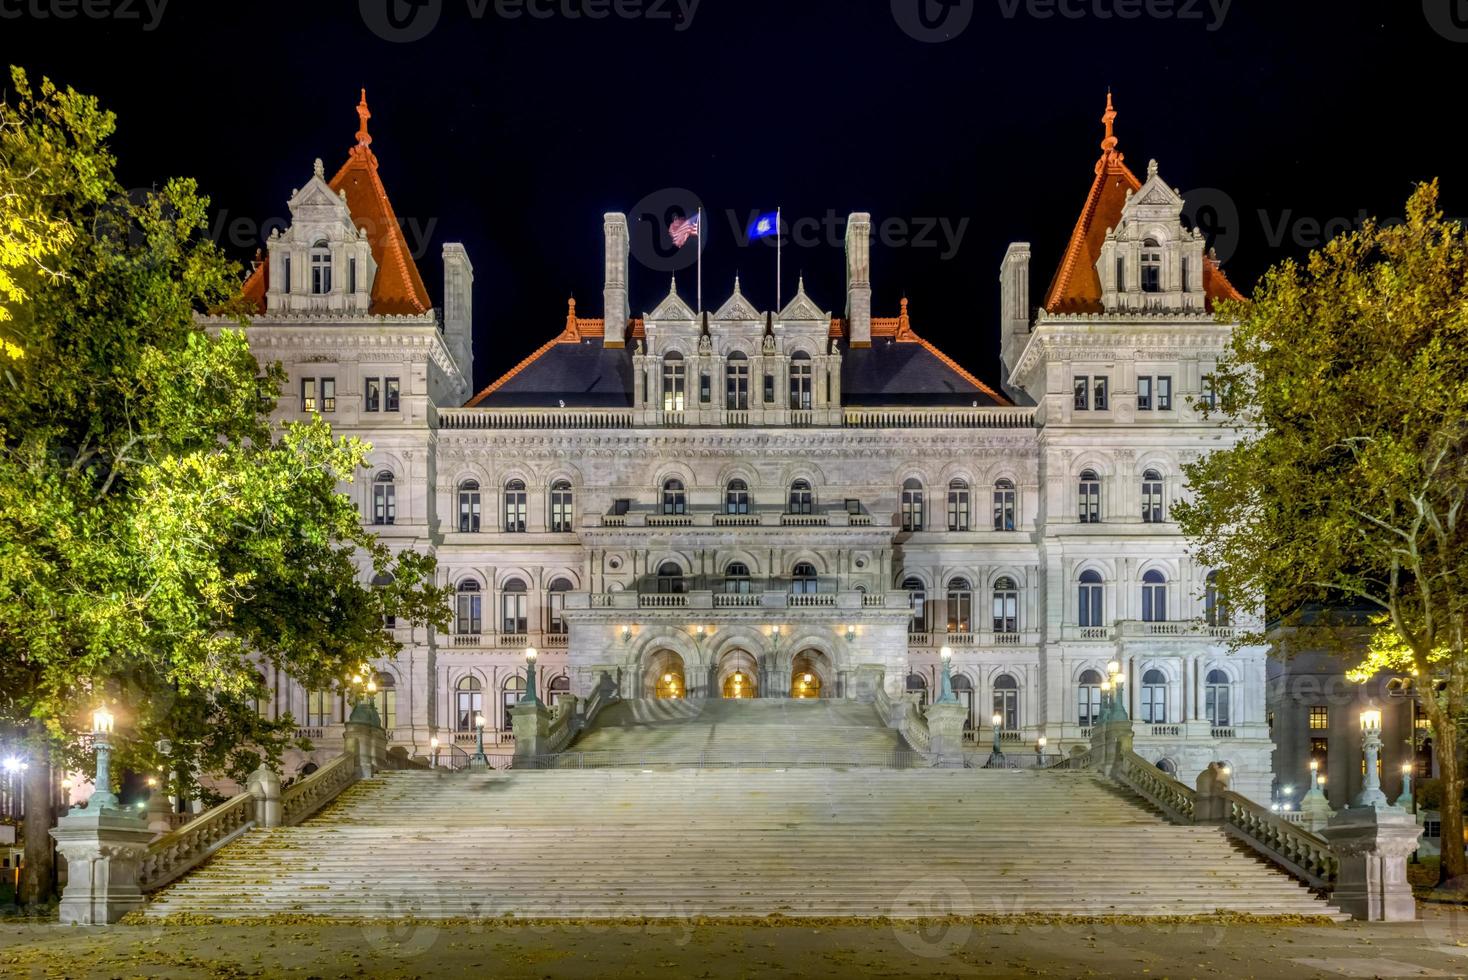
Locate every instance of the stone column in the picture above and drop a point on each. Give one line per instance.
(104, 849)
(1371, 845)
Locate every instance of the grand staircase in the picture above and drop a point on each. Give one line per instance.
(723, 841)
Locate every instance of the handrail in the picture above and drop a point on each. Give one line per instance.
(318, 789)
(176, 853)
(561, 728)
(1174, 799)
(1080, 760)
(1301, 853)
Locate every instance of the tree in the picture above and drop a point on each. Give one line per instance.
(160, 541)
(1348, 377)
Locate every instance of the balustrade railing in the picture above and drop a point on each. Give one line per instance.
(305, 797)
(939, 418)
(550, 418)
(1297, 850)
(661, 601)
(1157, 788)
(176, 853)
(736, 600)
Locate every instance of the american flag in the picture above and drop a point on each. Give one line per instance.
(683, 229)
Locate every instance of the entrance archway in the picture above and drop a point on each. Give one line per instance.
(810, 676)
(663, 677)
(738, 677)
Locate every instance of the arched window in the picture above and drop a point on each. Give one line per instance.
(555, 607)
(918, 684)
(675, 498)
(912, 505)
(670, 579)
(386, 701)
(384, 499)
(802, 500)
(1168, 767)
(803, 580)
(511, 694)
(1154, 697)
(381, 581)
(1092, 599)
(960, 606)
(1154, 597)
(1004, 506)
(674, 382)
(1215, 612)
(963, 689)
(1090, 497)
(917, 600)
(1088, 699)
(470, 618)
(736, 579)
(800, 381)
(736, 382)
(736, 497)
(515, 507)
(1152, 509)
(1006, 701)
(1216, 699)
(1006, 606)
(320, 269)
(562, 509)
(469, 507)
(559, 688)
(958, 506)
(468, 703)
(1151, 266)
(318, 708)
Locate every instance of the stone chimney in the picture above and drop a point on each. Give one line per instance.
(458, 307)
(615, 306)
(1014, 308)
(859, 279)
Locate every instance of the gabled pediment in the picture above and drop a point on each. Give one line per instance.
(803, 308)
(318, 195)
(672, 308)
(737, 307)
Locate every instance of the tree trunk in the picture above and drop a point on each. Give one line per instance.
(1454, 866)
(38, 876)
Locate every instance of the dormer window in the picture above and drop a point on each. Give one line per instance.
(320, 269)
(1151, 266)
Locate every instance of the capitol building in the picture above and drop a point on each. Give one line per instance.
(806, 503)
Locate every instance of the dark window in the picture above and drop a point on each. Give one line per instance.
(675, 498)
(1120, 274)
(800, 381)
(912, 505)
(1082, 388)
(516, 507)
(320, 269)
(736, 497)
(470, 506)
(1090, 497)
(1004, 506)
(562, 510)
(470, 612)
(736, 579)
(308, 394)
(1216, 698)
(1092, 599)
(1215, 611)
(958, 506)
(384, 499)
(802, 500)
(1006, 606)
(1144, 394)
(1164, 394)
(917, 597)
(513, 607)
(671, 580)
(736, 383)
(1152, 506)
(1006, 702)
(1088, 698)
(769, 388)
(328, 394)
(1151, 267)
(803, 579)
(1102, 399)
(1154, 697)
(1154, 597)
(555, 606)
(372, 396)
(392, 388)
(705, 388)
(960, 606)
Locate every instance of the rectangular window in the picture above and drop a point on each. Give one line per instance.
(1164, 394)
(514, 619)
(769, 389)
(328, 394)
(1185, 274)
(308, 394)
(1120, 274)
(285, 285)
(1319, 718)
(1082, 388)
(1209, 397)
(351, 275)
(391, 389)
(384, 503)
(705, 389)
(372, 395)
(1102, 396)
(1144, 394)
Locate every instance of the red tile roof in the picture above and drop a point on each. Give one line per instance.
(398, 288)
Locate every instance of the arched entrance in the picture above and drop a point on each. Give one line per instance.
(811, 676)
(663, 677)
(738, 676)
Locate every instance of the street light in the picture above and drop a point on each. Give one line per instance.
(102, 727)
(1040, 752)
(480, 759)
(530, 657)
(1406, 800)
(1371, 794)
(996, 757)
(433, 748)
(945, 691)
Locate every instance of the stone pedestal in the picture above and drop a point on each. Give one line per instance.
(264, 786)
(365, 736)
(1315, 809)
(1371, 845)
(945, 730)
(104, 849)
(531, 721)
(1209, 806)
(159, 813)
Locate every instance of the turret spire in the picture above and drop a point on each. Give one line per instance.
(1108, 145)
(364, 138)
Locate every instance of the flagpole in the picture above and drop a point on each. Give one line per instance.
(699, 236)
(779, 243)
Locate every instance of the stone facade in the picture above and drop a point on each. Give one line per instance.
(757, 497)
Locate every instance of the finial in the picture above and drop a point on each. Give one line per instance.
(573, 325)
(736, 282)
(1151, 169)
(673, 290)
(1109, 119)
(904, 306)
(800, 284)
(363, 114)
(318, 168)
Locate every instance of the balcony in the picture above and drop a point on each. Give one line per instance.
(1187, 628)
(851, 601)
(936, 640)
(939, 418)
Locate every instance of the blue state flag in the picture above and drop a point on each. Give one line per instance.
(765, 225)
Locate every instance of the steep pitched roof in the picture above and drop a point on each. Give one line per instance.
(398, 288)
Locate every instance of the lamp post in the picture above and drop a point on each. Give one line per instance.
(1371, 794)
(433, 749)
(1040, 752)
(996, 757)
(1405, 801)
(945, 688)
(530, 698)
(480, 759)
(102, 726)
(1118, 703)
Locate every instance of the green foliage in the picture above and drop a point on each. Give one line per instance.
(160, 542)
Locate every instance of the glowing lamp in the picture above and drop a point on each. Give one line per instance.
(530, 655)
(1371, 721)
(946, 653)
(102, 721)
